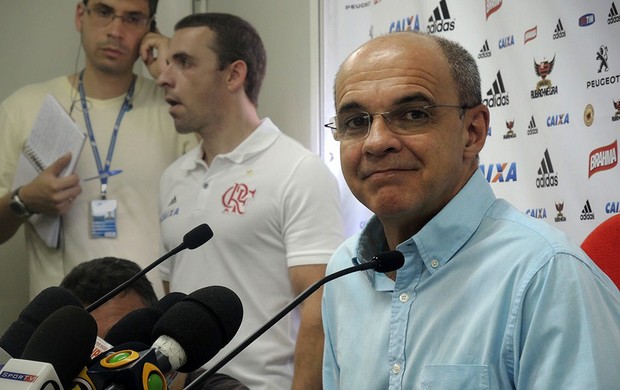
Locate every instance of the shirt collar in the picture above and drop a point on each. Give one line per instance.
(442, 237)
(260, 139)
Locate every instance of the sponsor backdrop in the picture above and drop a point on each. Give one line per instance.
(550, 77)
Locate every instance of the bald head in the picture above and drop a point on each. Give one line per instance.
(397, 48)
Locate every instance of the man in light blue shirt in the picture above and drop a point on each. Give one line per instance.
(488, 298)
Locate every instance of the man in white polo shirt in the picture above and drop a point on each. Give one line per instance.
(273, 205)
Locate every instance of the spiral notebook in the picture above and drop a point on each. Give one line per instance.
(53, 134)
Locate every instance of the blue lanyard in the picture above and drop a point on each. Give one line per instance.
(103, 170)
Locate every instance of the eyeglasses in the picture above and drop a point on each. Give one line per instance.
(103, 16)
(407, 119)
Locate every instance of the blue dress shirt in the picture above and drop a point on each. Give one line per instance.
(488, 298)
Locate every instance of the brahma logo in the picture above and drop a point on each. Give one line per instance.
(440, 20)
(530, 34)
(500, 173)
(497, 95)
(409, 23)
(544, 86)
(492, 6)
(235, 198)
(603, 158)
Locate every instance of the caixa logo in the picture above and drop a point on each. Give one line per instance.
(612, 207)
(500, 172)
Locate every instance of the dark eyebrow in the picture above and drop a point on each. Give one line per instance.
(181, 56)
(353, 106)
(415, 98)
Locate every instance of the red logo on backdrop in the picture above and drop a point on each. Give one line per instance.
(492, 6)
(530, 34)
(235, 197)
(603, 158)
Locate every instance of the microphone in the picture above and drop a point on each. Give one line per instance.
(186, 336)
(191, 240)
(58, 349)
(138, 325)
(14, 340)
(383, 262)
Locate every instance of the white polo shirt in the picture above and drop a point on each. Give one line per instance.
(271, 204)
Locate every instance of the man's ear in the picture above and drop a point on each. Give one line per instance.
(237, 72)
(79, 13)
(476, 127)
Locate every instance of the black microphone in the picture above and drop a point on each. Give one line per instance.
(138, 325)
(16, 337)
(202, 324)
(64, 340)
(186, 336)
(383, 262)
(192, 240)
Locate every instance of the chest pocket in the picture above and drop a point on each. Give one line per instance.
(452, 377)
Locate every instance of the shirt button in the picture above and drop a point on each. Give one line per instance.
(396, 368)
(205, 185)
(434, 263)
(404, 297)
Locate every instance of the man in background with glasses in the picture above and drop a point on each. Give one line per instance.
(131, 139)
(488, 296)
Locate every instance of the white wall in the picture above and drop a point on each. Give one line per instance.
(38, 42)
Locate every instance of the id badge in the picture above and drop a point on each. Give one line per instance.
(103, 218)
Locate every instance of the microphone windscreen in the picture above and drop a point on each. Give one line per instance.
(169, 300)
(14, 340)
(389, 261)
(134, 326)
(64, 339)
(138, 325)
(197, 236)
(202, 323)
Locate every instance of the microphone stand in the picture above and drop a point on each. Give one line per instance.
(192, 240)
(307, 292)
(137, 276)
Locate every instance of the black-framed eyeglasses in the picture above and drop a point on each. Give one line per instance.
(103, 16)
(407, 119)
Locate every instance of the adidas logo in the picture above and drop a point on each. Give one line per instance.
(559, 30)
(485, 52)
(497, 96)
(440, 19)
(613, 16)
(172, 201)
(587, 213)
(546, 175)
(532, 128)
